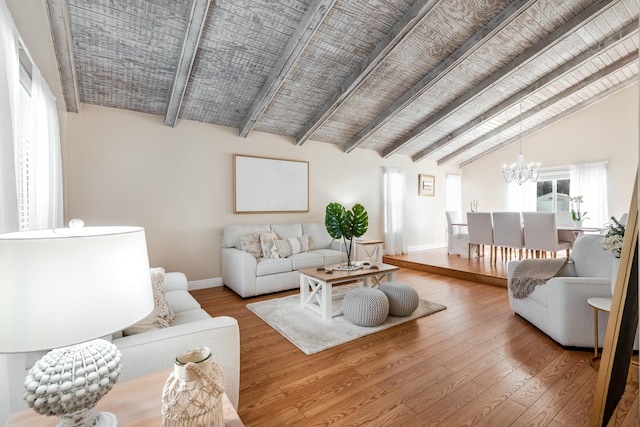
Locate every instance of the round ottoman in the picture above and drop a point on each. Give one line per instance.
(403, 299)
(365, 307)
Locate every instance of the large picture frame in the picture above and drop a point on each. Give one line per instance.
(426, 185)
(270, 185)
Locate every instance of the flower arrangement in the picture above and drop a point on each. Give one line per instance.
(613, 238)
(575, 208)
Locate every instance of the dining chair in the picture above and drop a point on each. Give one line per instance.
(507, 233)
(458, 241)
(541, 234)
(480, 229)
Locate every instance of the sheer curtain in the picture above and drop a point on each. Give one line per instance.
(394, 211)
(522, 197)
(590, 182)
(453, 193)
(9, 81)
(47, 200)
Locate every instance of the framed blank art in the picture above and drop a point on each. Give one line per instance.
(263, 184)
(426, 185)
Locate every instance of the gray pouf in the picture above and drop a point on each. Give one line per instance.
(365, 307)
(403, 299)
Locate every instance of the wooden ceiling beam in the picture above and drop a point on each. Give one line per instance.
(294, 49)
(507, 15)
(58, 12)
(199, 12)
(545, 43)
(615, 88)
(403, 27)
(566, 68)
(633, 57)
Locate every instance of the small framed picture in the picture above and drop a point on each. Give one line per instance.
(426, 185)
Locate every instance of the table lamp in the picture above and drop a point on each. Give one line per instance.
(61, 289)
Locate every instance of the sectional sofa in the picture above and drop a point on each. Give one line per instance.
(249, 270)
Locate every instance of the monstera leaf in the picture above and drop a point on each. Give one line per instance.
(345, 224)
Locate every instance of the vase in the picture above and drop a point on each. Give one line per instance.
(615, 266)
(192, 395)
(577, 224)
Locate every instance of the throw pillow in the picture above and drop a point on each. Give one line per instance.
(250, 243)
(162, 314)
(267, 239)
(287, 247)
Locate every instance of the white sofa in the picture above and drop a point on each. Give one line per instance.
(249, 276)
(559, 308)
(156, 350)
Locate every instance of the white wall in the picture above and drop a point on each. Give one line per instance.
(128, 168)
(605, 131)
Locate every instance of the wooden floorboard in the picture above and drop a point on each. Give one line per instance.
(473, 364)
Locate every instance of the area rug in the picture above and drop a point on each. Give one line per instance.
(307, 331)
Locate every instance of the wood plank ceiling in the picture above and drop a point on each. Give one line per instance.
(449, 80)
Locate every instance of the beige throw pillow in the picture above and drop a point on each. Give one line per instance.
(162, 315)
(250, 243)
(287, 247)
(267, 239)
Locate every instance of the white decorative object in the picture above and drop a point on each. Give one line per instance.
(64, 287)
(192, 395)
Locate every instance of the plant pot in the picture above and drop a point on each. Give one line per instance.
(578, 223)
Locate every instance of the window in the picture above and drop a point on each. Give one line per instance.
(553, 191)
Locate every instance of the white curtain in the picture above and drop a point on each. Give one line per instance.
(522, 197)
(47, 201)
(590, 182)
(9, 81)
(394, 211)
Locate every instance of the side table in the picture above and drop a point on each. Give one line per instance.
(136, 402)
(598, 304)
(372, 250)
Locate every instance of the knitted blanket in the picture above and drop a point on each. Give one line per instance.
(532, 272)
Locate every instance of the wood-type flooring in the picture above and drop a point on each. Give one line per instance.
(473, 364)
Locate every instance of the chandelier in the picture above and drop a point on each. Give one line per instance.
(520, 171)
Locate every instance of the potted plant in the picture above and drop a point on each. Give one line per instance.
(346, 224)
(576, 215)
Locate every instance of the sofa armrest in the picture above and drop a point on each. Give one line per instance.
(175, 281)
(569, 270)
(239, 270)
(156, 350)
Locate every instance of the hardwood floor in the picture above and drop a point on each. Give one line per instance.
(473, 364)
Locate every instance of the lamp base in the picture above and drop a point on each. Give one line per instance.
(90, 418)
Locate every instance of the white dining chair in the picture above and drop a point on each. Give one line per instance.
(480, 229)
(541, 234)
(507, 233)
(458, 241)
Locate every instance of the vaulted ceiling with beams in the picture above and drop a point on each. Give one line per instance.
(448, 80)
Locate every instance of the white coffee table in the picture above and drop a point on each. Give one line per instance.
(316, 285)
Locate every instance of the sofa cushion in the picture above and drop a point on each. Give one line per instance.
(306, 260)
(287, 247)
(319, 238)
(331, 256)
(182, 301)
(231, 234)
(267, 266)
(250, 243)
(589, 257)
(287, 231)
(267, 241)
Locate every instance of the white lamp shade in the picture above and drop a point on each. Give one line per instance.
(65, 286)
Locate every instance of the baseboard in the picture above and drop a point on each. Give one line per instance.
(205, 283)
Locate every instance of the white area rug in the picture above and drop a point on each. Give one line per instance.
(307, 331)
